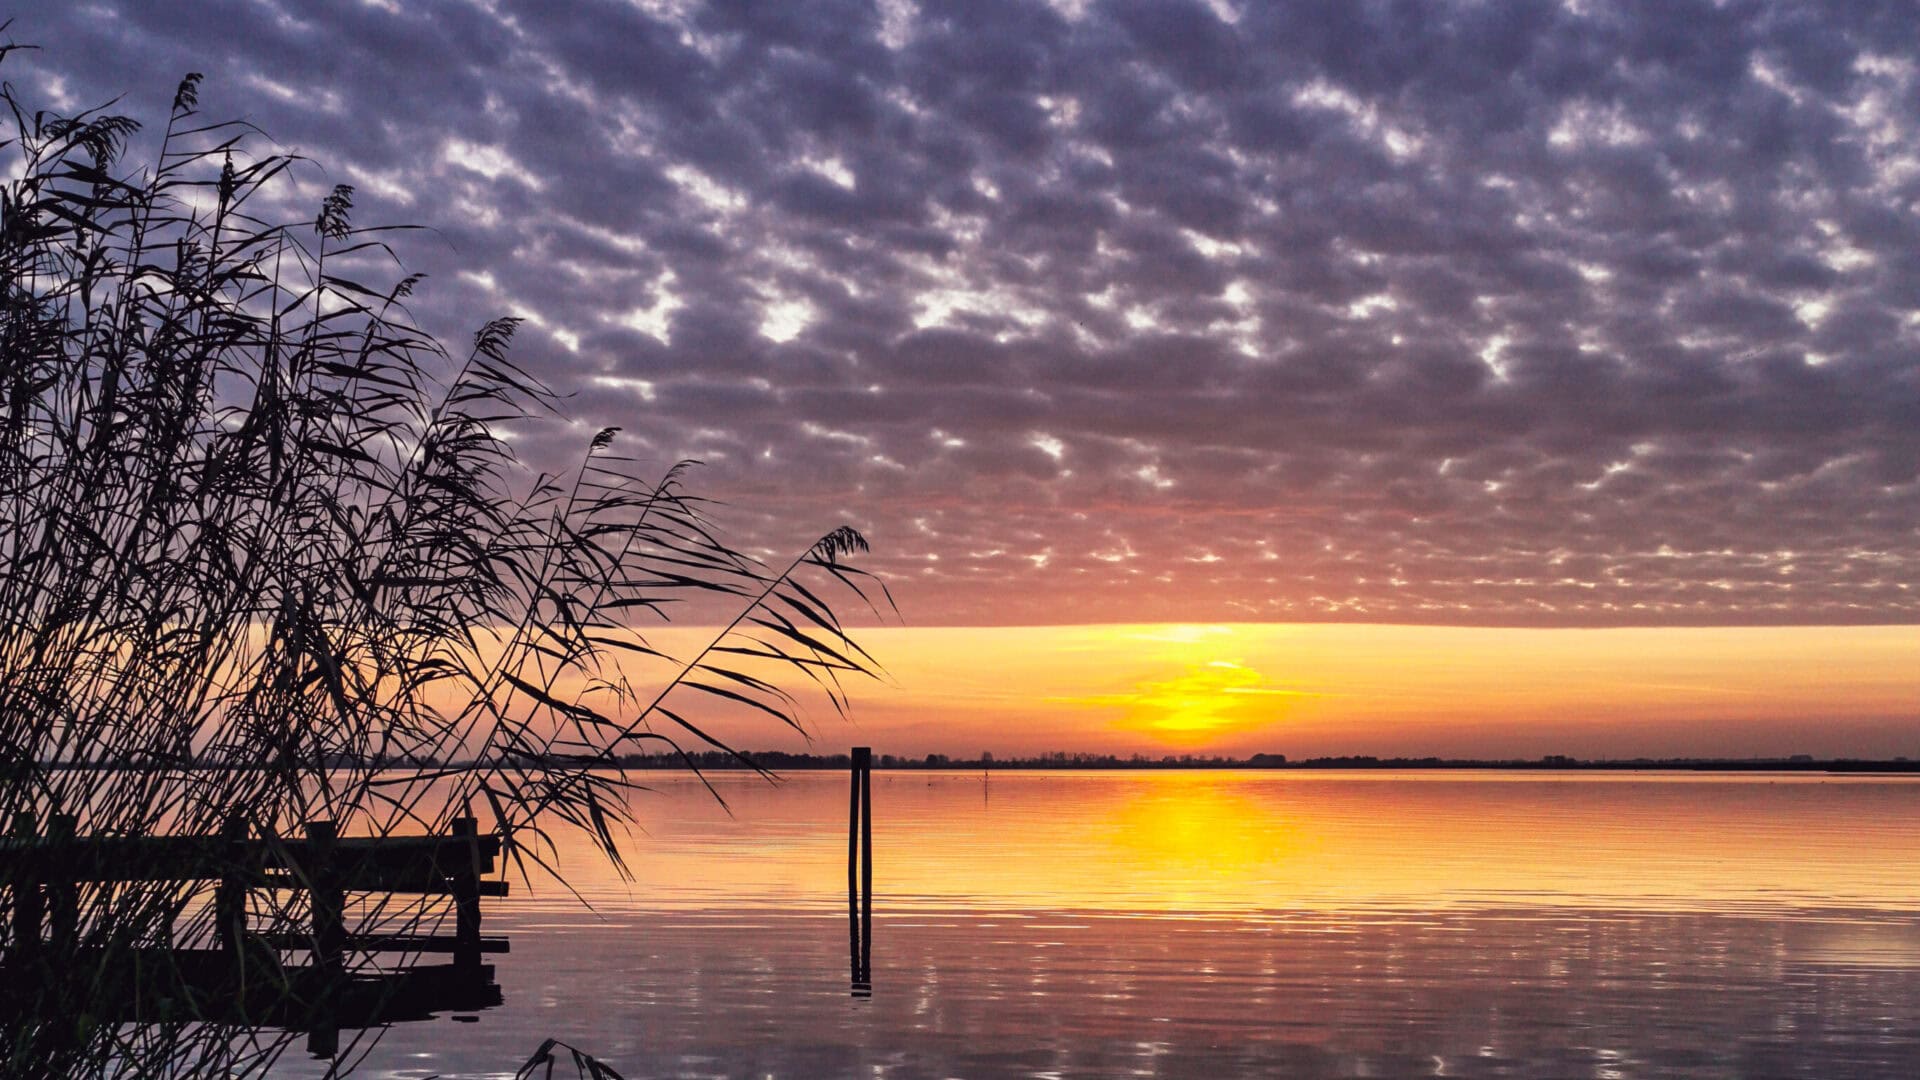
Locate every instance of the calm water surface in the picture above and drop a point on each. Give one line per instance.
(1228, 924)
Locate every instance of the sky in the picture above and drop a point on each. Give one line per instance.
(1532, 319)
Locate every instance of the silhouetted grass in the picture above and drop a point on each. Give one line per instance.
(259, 533)
(540, 1066)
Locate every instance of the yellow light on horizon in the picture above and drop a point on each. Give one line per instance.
(1391, 690)
(1209, 698)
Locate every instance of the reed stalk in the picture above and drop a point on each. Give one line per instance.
(265, 549)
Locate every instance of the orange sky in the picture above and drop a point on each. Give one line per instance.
(1315, 689)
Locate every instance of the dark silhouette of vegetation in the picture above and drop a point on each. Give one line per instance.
(266, 550)
(586, 1066)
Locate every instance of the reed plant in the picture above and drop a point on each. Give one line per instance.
(266, 549)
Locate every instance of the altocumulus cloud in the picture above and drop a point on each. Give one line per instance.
(1572, 313)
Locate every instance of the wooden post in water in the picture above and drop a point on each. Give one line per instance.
(866, 868)
(28, 904)
(860, 870)
(466, 897)
(853, 871)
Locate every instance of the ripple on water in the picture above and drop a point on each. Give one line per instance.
(1210, 925)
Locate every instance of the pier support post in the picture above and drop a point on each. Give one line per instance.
(63, 893)
(29, 906)
(466, 897)
(328, 899)
(230, 896)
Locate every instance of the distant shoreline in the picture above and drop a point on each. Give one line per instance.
(781, 761)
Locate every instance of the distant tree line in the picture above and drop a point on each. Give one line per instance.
(784, 761)
(777, 761)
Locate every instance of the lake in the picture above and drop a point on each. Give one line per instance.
(1209, 924)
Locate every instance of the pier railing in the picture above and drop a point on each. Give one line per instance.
(43, 871)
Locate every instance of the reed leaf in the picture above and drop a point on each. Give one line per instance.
(266, 558)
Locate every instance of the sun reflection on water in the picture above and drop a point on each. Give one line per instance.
(1197, 842)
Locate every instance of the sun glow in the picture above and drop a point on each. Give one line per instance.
(1328, 689)
(1206, 700)
(1313, 689)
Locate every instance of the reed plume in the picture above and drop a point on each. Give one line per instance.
(265, 548)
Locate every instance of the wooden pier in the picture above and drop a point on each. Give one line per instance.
(242, 977)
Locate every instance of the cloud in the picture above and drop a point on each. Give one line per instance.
(1552, 313)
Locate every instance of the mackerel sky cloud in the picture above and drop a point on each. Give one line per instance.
(1579, 313)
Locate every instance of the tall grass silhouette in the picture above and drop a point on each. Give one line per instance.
(265, 548)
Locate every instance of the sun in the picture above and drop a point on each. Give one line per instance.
(1192, 694)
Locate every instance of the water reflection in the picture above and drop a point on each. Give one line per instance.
(1462, 994)
(1236, 925)
(1244, 842)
